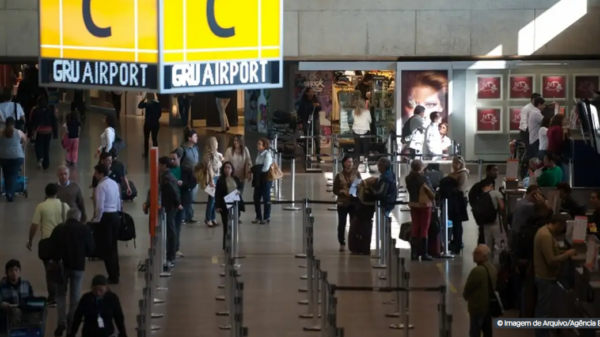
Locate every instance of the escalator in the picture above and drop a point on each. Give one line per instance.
(585, 151)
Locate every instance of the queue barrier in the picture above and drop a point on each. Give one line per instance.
(322, 302)
(234, 289)
(154, 268)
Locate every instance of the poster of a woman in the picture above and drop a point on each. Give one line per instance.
(428, 88)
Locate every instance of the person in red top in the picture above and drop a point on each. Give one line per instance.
(555, 135)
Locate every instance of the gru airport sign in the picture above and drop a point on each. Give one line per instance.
(169, 46)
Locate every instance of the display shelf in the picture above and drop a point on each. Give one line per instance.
(382, 106)
(347, 100)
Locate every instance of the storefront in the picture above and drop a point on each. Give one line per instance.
(479, 101)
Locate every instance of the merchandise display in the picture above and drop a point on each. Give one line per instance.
(489, 120)
(585, 86)
(520, 87)
(489, 87)
(554, 86)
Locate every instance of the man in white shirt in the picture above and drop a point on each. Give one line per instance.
(108, 205)
(534, 123)
(523, 123)
(8, 107)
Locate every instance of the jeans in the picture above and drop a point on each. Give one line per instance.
(546, 290)
(50, 281)
(457, 234)
(171, 234)
(72, 148)
(343, 211)
(210, 214)
(42, 149)
(72, 280)
(225, 220)
(188, 210)
(10, 171)
(362, 146)
(108, 244)
(263, 192)
(480, 324)
(178, 221)
(183, 103)
(150, 130)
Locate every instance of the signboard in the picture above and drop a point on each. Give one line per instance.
(205, 45)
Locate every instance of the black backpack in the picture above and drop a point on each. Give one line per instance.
(484, 210)
(126, 227)
(406, 132)
(474, 193)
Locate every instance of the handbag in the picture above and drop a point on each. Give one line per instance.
(19, 123)
(46, 246)
(496, 309)
(274, 172)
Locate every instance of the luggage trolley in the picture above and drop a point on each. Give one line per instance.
(28, 319)
(21, 179)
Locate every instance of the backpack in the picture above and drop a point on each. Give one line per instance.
(366, 194)
(406, 132)
(484, 210)
(126, 228)
(474, 193)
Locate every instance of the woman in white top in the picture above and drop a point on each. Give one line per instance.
(361, 126)
(543, 136)
(107, 138)
(213, 161)
(12, 155)
(239, 156)
(261, 183)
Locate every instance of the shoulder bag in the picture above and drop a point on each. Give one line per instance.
(275, 172)
(495, 308)
(19, 123)
(45, 246)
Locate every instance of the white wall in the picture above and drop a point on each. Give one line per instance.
(376, 29)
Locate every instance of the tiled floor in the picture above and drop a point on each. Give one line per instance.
(270, 271)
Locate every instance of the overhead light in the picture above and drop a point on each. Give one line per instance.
(528, 64)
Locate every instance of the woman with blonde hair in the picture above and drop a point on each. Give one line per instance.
(212, 161)
(239, 156)
(361, 126)
(152, 115)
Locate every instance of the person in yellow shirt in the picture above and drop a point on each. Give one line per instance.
(48, 214)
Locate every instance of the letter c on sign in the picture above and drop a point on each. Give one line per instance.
(89, 22)
(214, 25)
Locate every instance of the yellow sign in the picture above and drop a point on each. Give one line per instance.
(221, 30)
(100, 30)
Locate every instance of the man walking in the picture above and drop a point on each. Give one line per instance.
(70, 192)
(48, 214)
(108, 205)
(186, 180)
(72, 242)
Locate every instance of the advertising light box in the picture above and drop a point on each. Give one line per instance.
(168, 46)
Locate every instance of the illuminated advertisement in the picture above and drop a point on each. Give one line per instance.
(205, 45)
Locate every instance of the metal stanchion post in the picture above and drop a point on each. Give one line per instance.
(396, 269)
(480, 169)
(305, 214)
(442, 313)
(235, 233)
(380, 254)
(335, 172)
(332, 319)
(309, 239)
(310, 272)
(446, 253)
(315, 326)
(239, 310)
(293, 206)
(403, 297)
(228, 290)
(163, 247)
(570, 172)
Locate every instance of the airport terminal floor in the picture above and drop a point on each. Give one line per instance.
(270, 271)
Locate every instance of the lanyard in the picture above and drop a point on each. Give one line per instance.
(99, 306)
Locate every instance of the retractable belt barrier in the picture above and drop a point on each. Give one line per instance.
(321, 300)
(234, 289)
(154, 268)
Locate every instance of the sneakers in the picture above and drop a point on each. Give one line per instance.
(190, 221)
(40, 164)
(179, 255)
(52, 304)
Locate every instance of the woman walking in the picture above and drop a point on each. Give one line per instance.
(361, 127)
(108, 137)
(190, 158)
(346, 192)
(212, 162)
(43, 124)
(70, 138)
(11, 156)
(227, 184)
(457, 203)
(261, 183)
